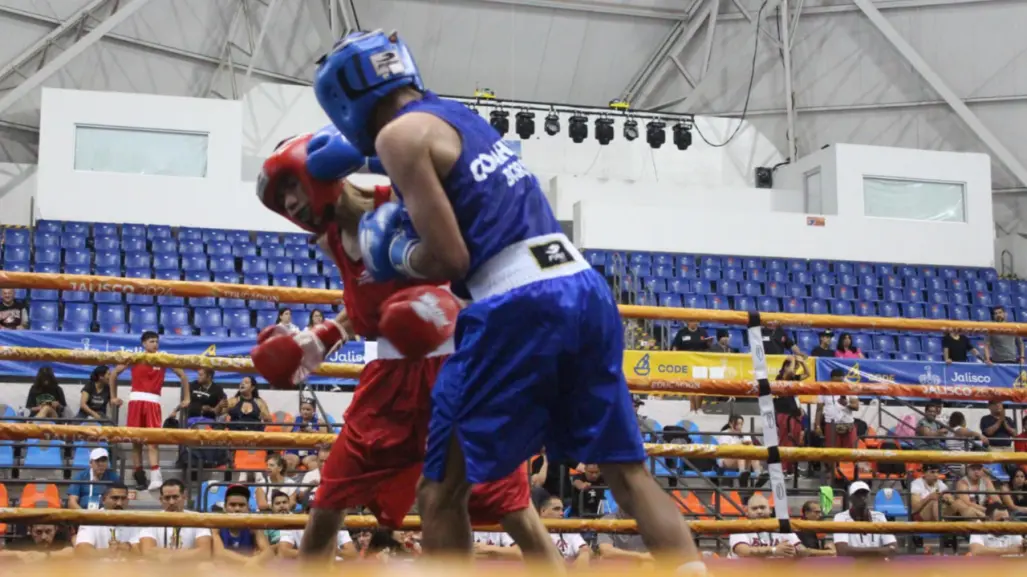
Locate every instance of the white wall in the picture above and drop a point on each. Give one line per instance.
(17, 189)
(631, 224)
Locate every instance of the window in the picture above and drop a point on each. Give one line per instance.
(137, 151)
(812, 189)
(914, 199)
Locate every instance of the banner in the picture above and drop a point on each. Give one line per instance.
(924, 373)
(355, 353)
(683, 365)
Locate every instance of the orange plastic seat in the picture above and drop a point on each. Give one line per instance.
(689, 504)
(40, 496)
(254, 459)
(3, 503)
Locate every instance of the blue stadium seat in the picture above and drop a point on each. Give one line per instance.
(260, 279)
(821, 291)
(76, 270)
(44, 454)
(750, 263)
(802, 277)
(266, 318)
(189, 233)
(16, 237)
(894, 295)
(72, 240)
(847, 279)
(108, 259)
(710, 261)
(133, 245)
(251, 265)
(313, 282)
(137, 260)
(912, 310)
(46, 240)
(237, 236)
(165, 261)
(42, 295)
(306, 267)
(769, 305)
(297, 238)
(295, 252)
(16, 266)
(334, 283)
(101, 229)
(78, 312)
(75, 296)
(709, 273)
(16, 254)
(790, 305)
(300, 318)
(209, 235)
(957, 284)
(207, 317)
(959, 297)
(51, 226)
(744, 303)
(219, 248)
(1003, 300)
(669, 300)
(774, 289)
(42, 311)
(78, 228)
(277, 266)
(893, 507)
(237, 318)
(46, 268)
(884, 343)
(158, 231)
(937, 312)
(195, 262)
(756, 275)
(913, 282)
(841, 307)
(270, 251)
(217, 332)
(174, 316)
(133, 231)
(981, 313)
(817, 307)
(982, 298)
(246, 249)
(909, 344)
(76, 257)
(729, 288)
(142, 315)
(243, 333)
(221, 264)
(687, 271)
(202, 302)
(288, 280)
(230, 277)
(110, 314)
(959, 312)
(267, 238)
(108, 297)
(71, 327)
(888, 309)
(891, 281)
(198, 276)
(190, 247)
(163, 246)
(231, 303)
(170, 301)
(866, 308)
(938, 297)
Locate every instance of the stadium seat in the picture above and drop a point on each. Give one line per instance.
(297, 251)
(133, 231)
(217, 332)
(47, 255)
(288, 280)
(43, 455)
(75, 257)
(210, 235)
(50, 226)
(137, 299)
(106, 243)
(189, 233)
(198, 276)
(277, 266)
(207, 317)
(46, 268)
(251, 265)
(39, 496)
(266, 318)
(238, 236)
(271, 251)
(42, 311)
(39, 295)
(306, 267)
(219, 248)
(108, 315)
(195, 302)
(104, 229)
(245, 249)
(16, 254)
(16, 237)
(194, 262)
(318, 282)
(165, 261)
(137, 260)
(267, 239)
(190, 247)
(256, 279)
(78, 228)
(297, 239)
(158, 231)
(243, 333)
(72, 240)
(222, 264)
(229, 277)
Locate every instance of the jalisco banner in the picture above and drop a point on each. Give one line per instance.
(925, 373)
(351, 353)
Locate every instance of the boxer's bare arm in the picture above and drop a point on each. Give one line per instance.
(418, 150)
(343, 319)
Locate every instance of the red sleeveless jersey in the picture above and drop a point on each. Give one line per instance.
(147, 379)
(361, 296)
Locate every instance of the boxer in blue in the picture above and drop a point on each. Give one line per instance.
(539, 349)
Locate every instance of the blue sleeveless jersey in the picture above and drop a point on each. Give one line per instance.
(497, 201)
(242, 542)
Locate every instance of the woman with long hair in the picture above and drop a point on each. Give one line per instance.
(96, 396)
(790, 432)
(246, 409)
(1016, 494)
(847, 350)
(274, 480)
(733, 436)
(46, 398)
(285, 320)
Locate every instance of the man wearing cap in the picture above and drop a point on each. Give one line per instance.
(862, 544)
(86, 492)
(823, 348)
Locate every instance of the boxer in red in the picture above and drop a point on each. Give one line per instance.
(377, 459)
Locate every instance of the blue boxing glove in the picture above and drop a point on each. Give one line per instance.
(331, 157)
(385, 247)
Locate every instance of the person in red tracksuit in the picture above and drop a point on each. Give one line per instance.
(144, 407)
(377, 459)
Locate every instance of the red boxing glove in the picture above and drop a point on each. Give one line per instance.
(419, 319)
(286, 360)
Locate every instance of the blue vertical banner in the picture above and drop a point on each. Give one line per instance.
(357, 353)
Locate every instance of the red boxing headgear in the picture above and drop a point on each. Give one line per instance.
(285, 172)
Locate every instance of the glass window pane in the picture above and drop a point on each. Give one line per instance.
(135, 151)
(914, 200)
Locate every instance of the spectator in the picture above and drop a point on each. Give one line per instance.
(274, 480)
(622, 546)
(837, 413)
(279, 506)
(285, 321)
(14, 315)
(999, 428)
(306, 422)
(1020, 444)
(823, 348)
(997, 545)
(961, 438)
(240, 545)
(207, 400)
(956, 348)
(548, 475)
(722, 345)
(116, 542)
(289, 544)
(777, 342)
(861, 544)
(588, 492)
(96, 396)
(246, 410)
(846, 350)
(495, 545)
(645, 424)
(742, 545)
(316, 317)
(312, 478)
(144, 407)
(175, 543)
(1002, 349)
(572, 546)
(790, 430)
(85, 493)
(744, 467)
(815, 545)
(46, 397)
(691, 337)
(1015, 498)
(46, 543)
(927, 495)
(976, 491)
(929, 426)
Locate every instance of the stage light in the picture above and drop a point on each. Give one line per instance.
(525, 124)
(500, 120)
(655, 134)
(552, 124)
(604, 130)
(630, 130)
(682, 136)
(577, 127)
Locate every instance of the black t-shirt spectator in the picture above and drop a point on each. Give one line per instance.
(200, 397)
(688, 340)
(13, 315)
(958, 348)
(39, 395)
(586, 503)
(556, 484)
(1001, 438)
(810, 540)
(97, 401)
(777, 342)
(820, 351)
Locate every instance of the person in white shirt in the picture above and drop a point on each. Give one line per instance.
(273, 480)
(763, 544)
(175, 543)
(734, 425)
(289, 545)
(862, 544)
(492, 545)
(285, 321)
(113, 541)
(997, 545)
(572, 546)
(312, 478)
(928, 493)
(837, 413)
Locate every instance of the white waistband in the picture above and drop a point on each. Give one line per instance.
(140, 396)
(528, 261)
(387, 350)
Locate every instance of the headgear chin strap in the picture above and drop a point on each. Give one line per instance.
(284, 173)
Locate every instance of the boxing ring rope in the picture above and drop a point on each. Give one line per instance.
(254, 521)
(157, 287)
(214, 437)
(642, 385)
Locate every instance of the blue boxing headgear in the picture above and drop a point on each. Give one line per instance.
(363, 68)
